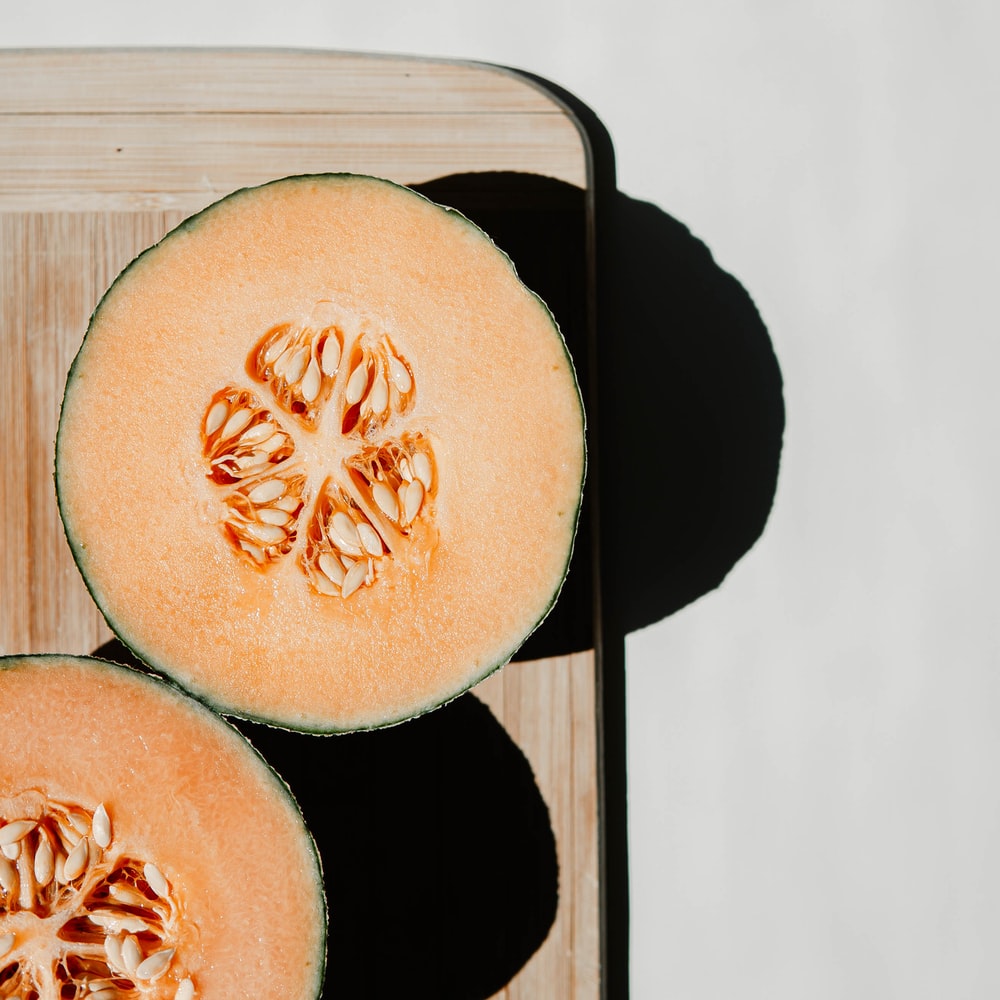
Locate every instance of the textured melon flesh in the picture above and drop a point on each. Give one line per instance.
(182, 791)
(494, 399)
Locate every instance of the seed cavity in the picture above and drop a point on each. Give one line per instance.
(340, 537)
(334, 367)
(298, 364)
(113, 921)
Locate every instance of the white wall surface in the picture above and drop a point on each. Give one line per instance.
(813, 747)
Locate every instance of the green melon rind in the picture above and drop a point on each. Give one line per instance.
(171, 689)
(316, 727)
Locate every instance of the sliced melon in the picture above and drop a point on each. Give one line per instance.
(146, 850)
(321, 455)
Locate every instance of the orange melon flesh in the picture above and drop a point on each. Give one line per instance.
(495, 399)
(184, 791)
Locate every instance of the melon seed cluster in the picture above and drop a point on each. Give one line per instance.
(317, 378)
(80, 919)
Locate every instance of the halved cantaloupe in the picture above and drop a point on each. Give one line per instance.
(146, 849)
(321, 454)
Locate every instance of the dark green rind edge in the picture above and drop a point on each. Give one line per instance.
(173, 689)
(313, 727)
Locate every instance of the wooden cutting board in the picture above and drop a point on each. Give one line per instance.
(101, 152)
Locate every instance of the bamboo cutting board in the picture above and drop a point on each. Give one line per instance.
(101, 152)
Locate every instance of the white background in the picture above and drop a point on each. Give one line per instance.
(813, 747)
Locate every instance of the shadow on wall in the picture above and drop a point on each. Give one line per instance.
(691, 417)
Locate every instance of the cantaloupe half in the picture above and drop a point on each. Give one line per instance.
(321, 454)
(146, 850)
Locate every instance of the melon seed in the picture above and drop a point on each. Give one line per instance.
(258, 433)
(297, 365)
(311, 382)
(422, 468)
(76, 862)
(268, 534)
(155, 880)
(385, 500)
(280, 365)
(45, 866)
(399, 374)
(354, 577)
(343, 527)
(131, 954)
(378, 398)
(122, 892)
(185, 990)
(329, 358)
(369, 539)
(236, 422)
(101, 826)
(254, 551)
(331, 568)
(277, 347)
(273, 515)
(16, 831)
(267, 491)
(273, 443)
(357, 384)
(113, 951)
(413, 499)
(216, 417)
(155, 965)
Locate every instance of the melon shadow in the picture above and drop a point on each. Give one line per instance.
(438, 854)
(682, 388)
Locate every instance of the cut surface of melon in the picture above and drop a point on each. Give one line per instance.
(146, 850)
(321, 454)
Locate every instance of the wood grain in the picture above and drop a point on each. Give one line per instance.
(101, 153)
